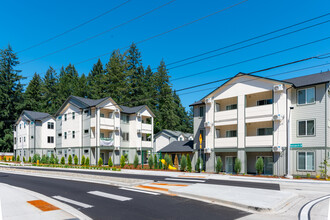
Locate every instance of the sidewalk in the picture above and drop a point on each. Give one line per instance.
(18, 203)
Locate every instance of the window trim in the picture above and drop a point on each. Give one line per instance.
(201, 107)
(265, 134)
(312, 103)
(306, 170)
(297, 131)
(73, 134)
(50, 139)
(73, 115)
(50, 125)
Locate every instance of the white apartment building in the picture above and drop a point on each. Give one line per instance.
(34, 132)
(165, 137)
(102, 129)
(250, 117)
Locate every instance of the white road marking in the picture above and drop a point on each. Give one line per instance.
(186, 180)
(72, 202)
(141, 191)
(304, 212)
(110, 196)
(329, 211)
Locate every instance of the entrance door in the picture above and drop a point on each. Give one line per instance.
(268, 165)
(230, 161)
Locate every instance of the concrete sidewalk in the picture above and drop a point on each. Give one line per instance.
(18, 203)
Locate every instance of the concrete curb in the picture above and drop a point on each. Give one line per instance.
(54, 202)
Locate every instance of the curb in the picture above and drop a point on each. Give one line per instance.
(60, 205)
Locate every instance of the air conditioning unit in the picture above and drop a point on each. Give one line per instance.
(117, 110)
(207, 124)
(278, 88)
(117, 128)
(207, 150)
(277, 117)
(277, 149)
(208, 100)
(116, 147)
(138, 148)
(138, 130)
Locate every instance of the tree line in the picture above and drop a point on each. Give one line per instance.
(123, 78)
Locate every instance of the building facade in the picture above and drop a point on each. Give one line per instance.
(284, 122)
(165, 137)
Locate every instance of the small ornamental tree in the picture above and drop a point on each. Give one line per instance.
(52, 159)
(4, 158)
(259, 166)
(56, 160)
(176, 162)
(199, 165)
(110, 162)
(35, 158)
(189, 167)
(122, 161)
(23, 159)
(87, 161)
(100, 163)
(219, 165)
(29, 159)
(183, 163)
(167, 159)
(75, 160)
(62, 160)
(17, 158)
(70, 160)
(150, 162)
(136, 161)
(155, 162)
(82, 160)
(238, 165)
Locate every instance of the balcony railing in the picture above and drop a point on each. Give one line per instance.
(259, 141)
(147, 144)
(261, 111)
(146, 127)
(106, 142)
(226, 142)
(228, 116)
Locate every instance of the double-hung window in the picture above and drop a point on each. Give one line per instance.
(306, 96)
(65, 135)
(73, 134)
(50, 139)
(264, 131)
(201, 111)
(306, 128)
(125, 136)
(65, 117)
(232, 133)
(125, 118)
(306, 161)
(231, 107)
(50, 125)
(264, 102)
(73, 115)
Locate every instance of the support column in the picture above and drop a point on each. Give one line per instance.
(241, 133)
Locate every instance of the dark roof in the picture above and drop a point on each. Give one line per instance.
(131, 110)
(36, 115)
(311, 79)
(178, 146)
(197, 103)
(89, 102)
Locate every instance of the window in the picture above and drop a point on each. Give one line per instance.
(86, 111)
(110, 115)
(60, 134)
(86, 131)
(65, 135)
(101, 135)
(20, 126)
(65, 117)
(102, 115)
(201, 111)
(20, 139)
(50, 139)
(24, 139)
(306, 161)
(125, 118)
(306, 128)
(50, 125)
(232, 133)
(230, 107)
(73, 134)
(264, 131)
(306, 96)
(86, 151)
(217, 107)
(14, 140)
(217, 133)
(73, 115)
(65, 153)
(265, 102)
(125, 136)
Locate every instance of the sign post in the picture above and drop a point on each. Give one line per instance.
(200, 152)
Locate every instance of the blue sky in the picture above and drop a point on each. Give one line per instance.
(25, 23)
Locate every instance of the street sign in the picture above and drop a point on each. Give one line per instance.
(296, 145)
(200, 141)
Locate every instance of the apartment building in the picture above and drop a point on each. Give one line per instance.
(102, 129)
(34, 132)
(284, 122)
(165, 137)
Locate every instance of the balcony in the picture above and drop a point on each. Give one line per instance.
(146, 128)
(226, 117)
(107, 123)
(106, 142)
(259, 113)
(226, 142)
(259, 141)
(147, 144)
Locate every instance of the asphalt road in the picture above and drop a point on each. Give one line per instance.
(271, 186)
(139, 205)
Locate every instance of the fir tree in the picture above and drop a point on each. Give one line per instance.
(33, 97)
(96, 81)
(82, 89)
(68, 82)
(10, 96)
(50, 92)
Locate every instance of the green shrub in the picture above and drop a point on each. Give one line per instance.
(35, 158)
(44, 159)
(87, 161)
(183, 163)
(168, 160)
(155, 162)
(308, 175)
(75, 160)
(189, 167)
(110, 162)
(150, 162)
(238, 165)
(4, 158)
(113, 168)
(122, 161)
(62, 160)
(23, 159)
(100, 162)
(199, 165)
(29, 160)
(56, 160)
(70, 160)
(259, 166)
(219, 165)
(17, 158)
(136, 161)
(83, 160)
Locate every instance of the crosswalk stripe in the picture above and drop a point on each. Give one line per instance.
(110, 196)
(141, 191)
(72, 202)
(186, 180)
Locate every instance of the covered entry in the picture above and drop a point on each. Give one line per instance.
(268, 159)
(228, 157)
(105, 153)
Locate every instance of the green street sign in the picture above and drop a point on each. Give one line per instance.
(295, 145)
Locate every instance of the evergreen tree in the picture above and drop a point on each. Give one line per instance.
(185, 122)
(50, 92)
(96, 81)
(150, 90)
(33, 97)
(11, 96)
(82, 89)
(68, 82)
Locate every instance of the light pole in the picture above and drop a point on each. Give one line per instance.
(288, 175)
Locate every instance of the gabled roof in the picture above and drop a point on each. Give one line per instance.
(89, 102)
(35, 116)
(178, 146)
(311, 79)
(131, 110)
(174, 134)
